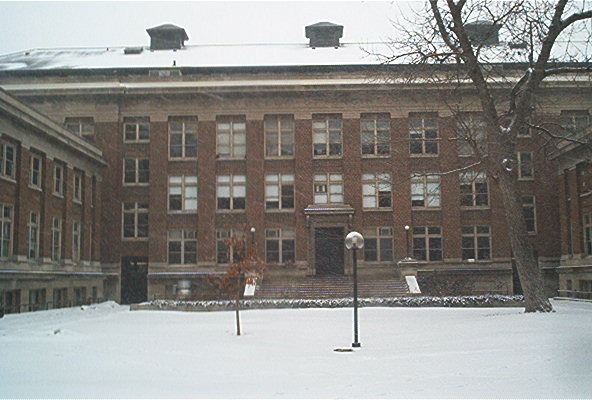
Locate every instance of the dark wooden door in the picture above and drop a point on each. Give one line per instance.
(329, 248)
(134, 280)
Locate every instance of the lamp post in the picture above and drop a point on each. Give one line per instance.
(355, 241)
(253, 238)
(407, 240)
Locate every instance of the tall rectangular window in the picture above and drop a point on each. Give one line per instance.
(80, 126)
(6, 230)
(136, 171)
(35, 178)
(279, 246)
(327, 136)
(135, 220)
(58, 179)
(182, 137)
(376, 190)
(76, 240)
(378, 244)
(33, 236)
(587, 225)
(425, 191)
(471, 134)
(182, 247)
(7, 160)
(279, 191)
(225, 252)
(423, 134)
(375, 133)
(427, 243)
(182, 193)
(56, 239)
(525, 166)
(231, 192)
(476, 242)
(474, 189)
(279, 135)
(529, 212)
(574, 121)
(77, 189)
(136, 129)
(231, 137)
(328, 188)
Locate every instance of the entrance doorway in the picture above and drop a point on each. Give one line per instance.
(134, 280)
(329, 248)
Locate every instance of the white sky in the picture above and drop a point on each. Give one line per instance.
(47, 24)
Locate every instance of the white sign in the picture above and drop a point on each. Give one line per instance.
(412, 283)
(250, 286)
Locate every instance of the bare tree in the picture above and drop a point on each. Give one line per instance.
(540, 43)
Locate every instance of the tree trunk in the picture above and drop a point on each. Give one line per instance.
(529, 272)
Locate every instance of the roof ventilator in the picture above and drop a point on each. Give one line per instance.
(324, 34)
(167, 37)
(483, 33)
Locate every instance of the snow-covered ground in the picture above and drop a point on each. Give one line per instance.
(109, 351)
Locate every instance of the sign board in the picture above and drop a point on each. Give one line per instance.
(412, 283)
(250, 286)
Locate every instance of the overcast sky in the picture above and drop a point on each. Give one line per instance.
(48, 24)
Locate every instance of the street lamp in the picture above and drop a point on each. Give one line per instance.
(253, 238)
(407, 240)
(355, 241)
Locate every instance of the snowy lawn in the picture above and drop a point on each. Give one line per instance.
(108, 351)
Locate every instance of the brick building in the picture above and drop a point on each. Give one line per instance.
(301, 143)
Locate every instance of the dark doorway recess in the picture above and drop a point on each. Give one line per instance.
(329, 245)
(134, 280)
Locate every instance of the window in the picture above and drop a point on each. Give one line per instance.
(279, 246)
(574, 121)
(471, 133)
(225, 252)
(76, 239)
(7, 161)
(231, 134)
(525, 166)
(376, 190)
(58, 180)
(423, 134)
(33, 236)
(427, 243)
(279, 135)
(587, 234)
(474, 189)
(326, 133)
(135, 220)
(56, 239)
(425, 191)
(136, 129)
(136, 171)
(35, 172)
(328, 188)
(529, 211)
(378, 244)
(231, 192)
(80, 126)
(5, 230)
(182, 193)
(375, 135)
(182, 247)
(182, 138)
(279, 191)
(77, 192)
(476, 243)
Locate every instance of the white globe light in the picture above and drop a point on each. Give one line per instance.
(354, 240)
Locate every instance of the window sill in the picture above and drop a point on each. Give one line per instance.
(36, 188)
(526, 179)
(426, 208)
(413, 155)
(375, 156)
(127, 184)
(280, 158)
(58, 195)
(181, 212)
(134, 239)
(241, 211)
(280, 210)
(182, 159)
(327, 157)
(8, 178)
(475, 208)
(230, 158)
(76, 201)
(136, 142)
(382, 209)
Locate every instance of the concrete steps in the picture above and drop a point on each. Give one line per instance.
(331, 286)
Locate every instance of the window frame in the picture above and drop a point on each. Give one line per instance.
(6, 229)
(187, 237)
(330, 181)
(137, 172)
(8, 163)
(328, 132)
(473, 179)
(279, 122)
(136, 123)
(56, 240)
(33, 225)
(371, 189)
(379, 236)
(429, 235)
(280, 184)
(474, 236)
(233, 182)
(58, 179)
(76, 241)
(283, 236)
(587, 233)
(77, 187)
(525, 165)
(420, 191)
(234, 134)
(374, 132)
(470, 125)
(529, 207)
(138, 210)
(186, 182)
(80, 126)
(418, 134)
(36, 174)
(189, 129)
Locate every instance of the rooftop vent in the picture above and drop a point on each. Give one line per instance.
(483, 33)
(167, 37)
(133, 50)
(324, 34)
